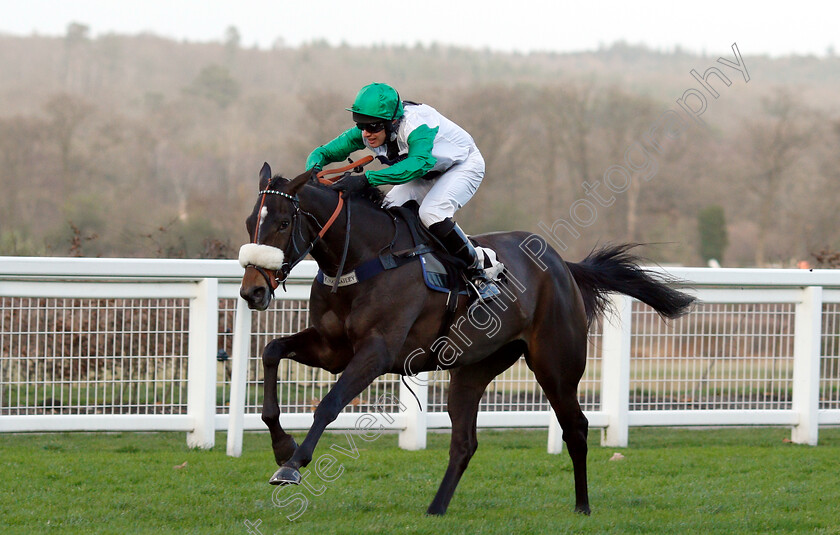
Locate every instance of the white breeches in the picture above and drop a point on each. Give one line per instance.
(442, 197)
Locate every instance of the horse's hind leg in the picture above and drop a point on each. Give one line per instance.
(558, 372)
(466, 386)
(306, 347)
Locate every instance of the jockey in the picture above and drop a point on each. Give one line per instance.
(430, 160)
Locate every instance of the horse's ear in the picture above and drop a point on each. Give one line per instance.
(299, 181)
(265, 176)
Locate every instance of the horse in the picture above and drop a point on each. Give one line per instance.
(372, 327)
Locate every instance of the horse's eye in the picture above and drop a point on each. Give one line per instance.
(284, 224)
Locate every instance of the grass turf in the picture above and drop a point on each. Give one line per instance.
(670, 481)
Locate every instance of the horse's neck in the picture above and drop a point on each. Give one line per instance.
(371, 229)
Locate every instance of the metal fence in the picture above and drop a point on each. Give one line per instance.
(126, 344)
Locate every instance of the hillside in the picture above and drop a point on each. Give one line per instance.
(142, 146)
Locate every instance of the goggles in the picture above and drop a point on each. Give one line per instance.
(371, 127)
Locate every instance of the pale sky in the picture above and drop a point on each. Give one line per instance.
(711, 26)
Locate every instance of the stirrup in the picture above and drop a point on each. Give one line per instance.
(484, 289)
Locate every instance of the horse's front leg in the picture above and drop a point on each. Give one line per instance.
(307, 347)
(368, 363)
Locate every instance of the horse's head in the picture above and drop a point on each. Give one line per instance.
(275, 230)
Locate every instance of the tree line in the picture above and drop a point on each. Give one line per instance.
(143, 146)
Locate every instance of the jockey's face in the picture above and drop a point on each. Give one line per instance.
(374, 139)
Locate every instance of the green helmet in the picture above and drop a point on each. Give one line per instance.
(376, 102)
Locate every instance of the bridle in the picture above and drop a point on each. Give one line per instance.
(270, 275)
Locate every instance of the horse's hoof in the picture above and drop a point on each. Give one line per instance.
(285, 476)
(582, 509)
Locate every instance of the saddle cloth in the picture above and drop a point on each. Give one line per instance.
(441, 272)
(437, 277)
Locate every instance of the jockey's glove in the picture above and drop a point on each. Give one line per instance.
(351, 183)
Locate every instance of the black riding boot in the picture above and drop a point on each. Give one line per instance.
(458, 245)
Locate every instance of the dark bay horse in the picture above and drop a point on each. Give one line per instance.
(376, 326)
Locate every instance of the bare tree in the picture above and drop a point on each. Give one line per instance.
(493, 115)
(324, 117)
(20, 138)
(76, 42)
(565, 119)
(66, 113)
(774, 142)
(624, 117)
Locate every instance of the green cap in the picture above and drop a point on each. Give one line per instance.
(376, 101)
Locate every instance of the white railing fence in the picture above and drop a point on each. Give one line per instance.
(139, 344)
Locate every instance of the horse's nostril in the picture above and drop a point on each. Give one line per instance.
(258, 294)
(253, 294)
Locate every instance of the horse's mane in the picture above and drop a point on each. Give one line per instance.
(371, 194)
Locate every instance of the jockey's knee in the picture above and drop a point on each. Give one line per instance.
(429, 215)
(430, 219)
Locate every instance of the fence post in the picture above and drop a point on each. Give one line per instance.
(615, 370)
(806, 366)
(413, 437)
(239, 377)
(555, 434)
(201, 363)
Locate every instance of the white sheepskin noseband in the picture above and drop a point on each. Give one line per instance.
(264, 256)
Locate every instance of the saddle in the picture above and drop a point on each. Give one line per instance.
(441, 271)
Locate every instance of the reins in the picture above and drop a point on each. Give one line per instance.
(356, 166)
(322, 175)
(334, 216)
(346, 248)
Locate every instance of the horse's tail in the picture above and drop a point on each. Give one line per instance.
(614, 269)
